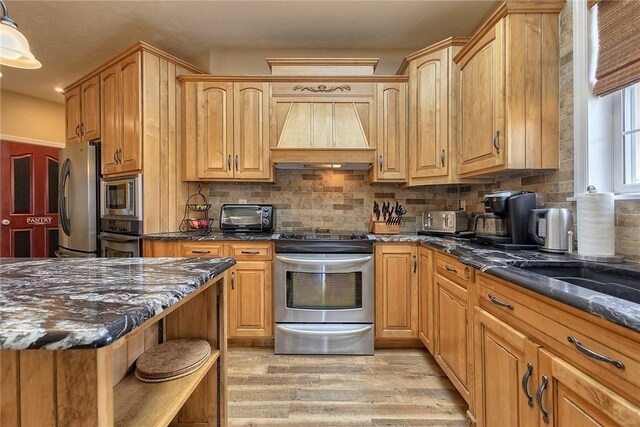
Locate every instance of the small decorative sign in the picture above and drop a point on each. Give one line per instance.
(39, 220)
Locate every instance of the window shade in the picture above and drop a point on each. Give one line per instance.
(618, 45)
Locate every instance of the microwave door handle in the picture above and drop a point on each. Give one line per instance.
(316, 261)
(118, 239)
(324, 333)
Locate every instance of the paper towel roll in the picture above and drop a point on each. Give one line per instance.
(596, 224)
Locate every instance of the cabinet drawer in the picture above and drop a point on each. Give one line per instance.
(449, 267)
(251, 251)
(202, 250)
(584, 343)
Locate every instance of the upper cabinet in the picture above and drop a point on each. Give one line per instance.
(226, 131)
(391, 135)
(82, 104)
(509, 91)
(121, 110)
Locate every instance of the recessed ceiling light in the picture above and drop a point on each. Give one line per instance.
(59, 89)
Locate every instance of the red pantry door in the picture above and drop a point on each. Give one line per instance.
(29, 196)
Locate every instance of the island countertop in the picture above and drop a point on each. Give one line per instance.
(68, 303)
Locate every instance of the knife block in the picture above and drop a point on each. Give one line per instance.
(381, 227)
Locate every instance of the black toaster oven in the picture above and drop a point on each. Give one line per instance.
(246, 218)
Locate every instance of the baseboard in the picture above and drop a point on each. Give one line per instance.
(250, 342)
(398, 343)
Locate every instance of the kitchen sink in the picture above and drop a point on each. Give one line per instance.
(619, 286)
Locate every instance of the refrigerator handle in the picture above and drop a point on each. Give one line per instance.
(62, 199)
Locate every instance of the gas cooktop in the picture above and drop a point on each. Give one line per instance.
(324, 236)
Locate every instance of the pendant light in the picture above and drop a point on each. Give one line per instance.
(14, 47)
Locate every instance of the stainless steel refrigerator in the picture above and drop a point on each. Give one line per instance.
(78, 201)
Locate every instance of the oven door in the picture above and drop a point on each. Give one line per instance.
(325, 288)
(119, 245)
(122, 197)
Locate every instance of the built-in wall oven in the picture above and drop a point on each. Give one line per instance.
(121, 216)
(324, 294)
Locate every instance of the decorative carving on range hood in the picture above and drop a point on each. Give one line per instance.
(322, 88)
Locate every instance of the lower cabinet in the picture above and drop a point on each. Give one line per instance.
(396, 290)
(506, 369)
(249, 282)
(250, 300)
(425, 295)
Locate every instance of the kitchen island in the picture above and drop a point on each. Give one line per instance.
(71, 330)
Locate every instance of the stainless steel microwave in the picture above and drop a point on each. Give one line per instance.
(121, 197)
(246, 218)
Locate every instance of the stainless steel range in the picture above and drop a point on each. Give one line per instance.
(324, 294)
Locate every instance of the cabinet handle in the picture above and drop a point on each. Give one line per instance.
(499, 303)
(415, 263)
(237, 161)
(78, 131)
(525, 384)
(200, 252)
(467, 273)
(229, 162)
(539, 393)
(380, 163)
(588, 352)
(450, 269)
(443, 156)
(120, 155)
(81, 128)
(496, 143)
(250, 252)
(115, 156)
(233, 280)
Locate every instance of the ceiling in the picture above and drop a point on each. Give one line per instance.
(71, 38)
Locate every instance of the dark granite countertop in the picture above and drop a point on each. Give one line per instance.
(509, 265)
(202, 236)
(63, 303)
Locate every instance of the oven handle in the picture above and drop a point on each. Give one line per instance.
(118, 239)
(316, 261)
(333, 333)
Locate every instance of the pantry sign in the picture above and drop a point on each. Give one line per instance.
(39, 220)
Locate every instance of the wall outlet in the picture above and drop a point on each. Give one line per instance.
(463, 204)
(243, 201)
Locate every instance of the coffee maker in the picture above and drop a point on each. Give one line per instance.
(505, 223)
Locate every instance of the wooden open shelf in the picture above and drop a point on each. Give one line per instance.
(140, 404)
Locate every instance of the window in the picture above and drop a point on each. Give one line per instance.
(627, 141)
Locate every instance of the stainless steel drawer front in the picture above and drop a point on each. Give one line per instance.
(324, 338)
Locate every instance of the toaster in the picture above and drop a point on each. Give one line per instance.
(449, 222)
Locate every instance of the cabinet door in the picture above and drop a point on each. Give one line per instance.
(72, 115)
(571, 398)
(110, 120)
(453, 348)
(391, 105)
(428, 115)
(90, 126)
(215, 130)
(482, 133)
(506, 369)
(250, 305)
(130, 110)
(251, 131)
(396, 291)
(425, 281)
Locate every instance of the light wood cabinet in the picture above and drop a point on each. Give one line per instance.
(82, 111)
(509, 91)
(250, 300)
(121, 116)
(453, 323)
(571, 398)
(507, 373)
(396, 291)
(251, 131)
(391, 135)
(426, 298)
(226, 131)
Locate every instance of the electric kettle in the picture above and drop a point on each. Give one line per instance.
(549, 228)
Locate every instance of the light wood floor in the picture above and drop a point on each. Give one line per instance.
(403, 387)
